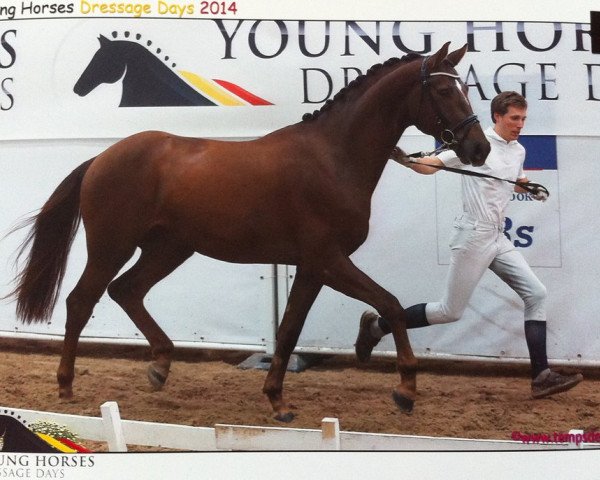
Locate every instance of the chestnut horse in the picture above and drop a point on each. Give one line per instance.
(300, 196)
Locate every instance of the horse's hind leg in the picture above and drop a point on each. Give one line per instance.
(159, 258)
(80, 304)
(302, 295)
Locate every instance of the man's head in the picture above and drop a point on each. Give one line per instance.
(509, 111)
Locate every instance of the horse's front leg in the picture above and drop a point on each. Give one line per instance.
(302, 295)
(343, 276)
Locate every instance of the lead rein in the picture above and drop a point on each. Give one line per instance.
(531, 187)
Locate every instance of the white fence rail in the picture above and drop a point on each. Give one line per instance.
(119, 433)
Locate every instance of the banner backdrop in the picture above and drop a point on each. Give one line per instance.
(76, 75)
(89, 71)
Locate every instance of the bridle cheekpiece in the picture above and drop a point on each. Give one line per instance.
(448, 135)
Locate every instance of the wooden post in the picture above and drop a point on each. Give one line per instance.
(330, 434)
(112, 427)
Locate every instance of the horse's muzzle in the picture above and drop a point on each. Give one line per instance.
(474, 152)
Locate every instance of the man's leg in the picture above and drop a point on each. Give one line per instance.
(471, 253)
(373, 328)
(512, 268)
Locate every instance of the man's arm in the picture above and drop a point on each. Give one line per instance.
(521, 180)
(398, 155)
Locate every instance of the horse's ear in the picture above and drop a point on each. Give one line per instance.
(456, 56)
(103, 40)
(436, 59)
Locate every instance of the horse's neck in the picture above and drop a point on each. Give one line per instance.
(368, 127)
(382, 112)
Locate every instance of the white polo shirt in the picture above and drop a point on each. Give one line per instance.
(486, 198)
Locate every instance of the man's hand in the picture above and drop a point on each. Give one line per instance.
(540, 195)
(398, 155)
(538, 192)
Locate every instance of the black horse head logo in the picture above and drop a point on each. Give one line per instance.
(147, 80)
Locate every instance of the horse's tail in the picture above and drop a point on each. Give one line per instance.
(51, 237)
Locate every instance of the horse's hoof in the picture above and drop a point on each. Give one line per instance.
(404, 403)
(65, 393)
(284, 417)
(156, 379)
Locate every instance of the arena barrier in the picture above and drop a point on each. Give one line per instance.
(119, 433)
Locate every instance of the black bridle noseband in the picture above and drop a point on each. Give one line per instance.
(447, 136)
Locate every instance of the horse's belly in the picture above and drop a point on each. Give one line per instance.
(238, 240)
(232, 251)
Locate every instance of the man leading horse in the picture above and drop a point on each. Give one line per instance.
(478, 243)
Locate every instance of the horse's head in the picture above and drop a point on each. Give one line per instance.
(443, 109)
(106, 66)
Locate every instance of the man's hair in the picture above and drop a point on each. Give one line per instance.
(502, 101)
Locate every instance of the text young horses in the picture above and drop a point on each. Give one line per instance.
(300, 196)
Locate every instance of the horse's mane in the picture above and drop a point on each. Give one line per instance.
(358, 81)
(148, 43)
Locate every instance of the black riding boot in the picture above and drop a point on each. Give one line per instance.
(535, 336)
(415, 318)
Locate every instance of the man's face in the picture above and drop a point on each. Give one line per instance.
(509, 125)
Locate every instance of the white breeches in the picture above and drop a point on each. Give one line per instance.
(476, 246)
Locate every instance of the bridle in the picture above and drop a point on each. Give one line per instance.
(447, 136)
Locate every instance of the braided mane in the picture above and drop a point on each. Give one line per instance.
(358, 81)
